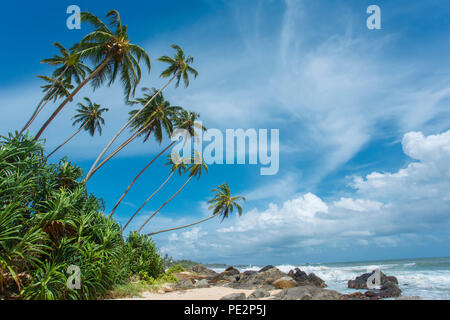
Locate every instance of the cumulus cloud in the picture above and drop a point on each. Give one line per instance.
(386, 210)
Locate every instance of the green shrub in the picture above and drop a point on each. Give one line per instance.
(175, 268)
(49, 221)
(141, 257)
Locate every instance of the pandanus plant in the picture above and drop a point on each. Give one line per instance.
(113, 54)
(90, 119)
(179, 68)
(223, 204)
(195, 170)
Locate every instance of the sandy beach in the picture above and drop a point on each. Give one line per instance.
(212, 293)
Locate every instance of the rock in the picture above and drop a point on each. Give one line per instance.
(360, 282)
(308, 293)
(266, 268)
(354, 296)
(167, 287)
(304, 279)
(234, 296)
(185, 284)
(316, 281)
(389, 290)
(263, 279)
(186, 275)
(284, 283)
(231, 271)
(370, 294)
(202, 284)
(258, 294)
(408, 298)
(201, 269)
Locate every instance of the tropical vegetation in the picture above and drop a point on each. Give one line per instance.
(50, 224)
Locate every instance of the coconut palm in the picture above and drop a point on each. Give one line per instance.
(56, 88)
(185, 120)
(90, 119)
(113, 54)
(177, 166)
(222, 203)
(71, 68)
(178, 67)
(156, 117)
(195, 170)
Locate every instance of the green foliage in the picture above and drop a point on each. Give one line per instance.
(175, 268)
(48, 222)
(141, 257)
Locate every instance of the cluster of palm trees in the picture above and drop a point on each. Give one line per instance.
(111, 55)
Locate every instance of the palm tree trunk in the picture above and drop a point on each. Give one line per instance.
(74, 92)
(139, 174)
(166, 203)
(185, 226)
(39, 108)
(148, 199)
(123, 145)
(90, 173)
(78, 131)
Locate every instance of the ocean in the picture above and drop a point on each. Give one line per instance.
(428, 278)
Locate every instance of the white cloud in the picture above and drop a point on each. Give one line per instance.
(386, 210)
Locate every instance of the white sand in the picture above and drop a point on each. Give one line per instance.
(212, 293)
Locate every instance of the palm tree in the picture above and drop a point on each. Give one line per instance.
(222, 203)
(156, 117)
(54, 90)
(195, 170)
(112, 52)
(177, 166)
(178, 67)
(186, 120)
(90, 118)
(71, 67)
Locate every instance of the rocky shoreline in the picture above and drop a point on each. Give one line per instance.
(270, 283)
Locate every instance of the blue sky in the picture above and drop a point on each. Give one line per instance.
(363, 118)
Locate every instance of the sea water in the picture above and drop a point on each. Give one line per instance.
(428, 278)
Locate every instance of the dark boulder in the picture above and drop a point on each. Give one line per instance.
(268, 267)
(304, 279)
(231, 271)
(360, 282)
(201, 269)
(308, 293)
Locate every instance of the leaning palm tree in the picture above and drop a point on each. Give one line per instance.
(113, 54)
(179, 67)
(90, 118)
(185, 120)
(156, 117)
(195, 170)
(55, 89)
(71, 68)
(222, 203)
(178, 166)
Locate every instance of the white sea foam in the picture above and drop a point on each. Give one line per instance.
(414, 281)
